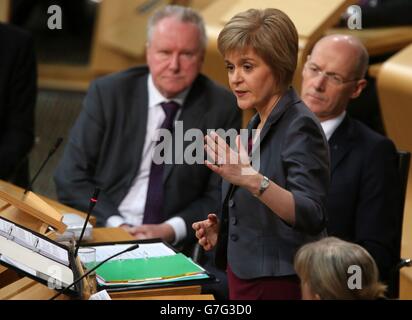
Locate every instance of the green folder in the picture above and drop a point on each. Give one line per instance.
(132, 270)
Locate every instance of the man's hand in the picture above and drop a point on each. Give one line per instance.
(207, 231)
(163, 231)
(127, 227)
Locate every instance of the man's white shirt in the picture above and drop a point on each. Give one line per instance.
(132, 206)
(329, 126)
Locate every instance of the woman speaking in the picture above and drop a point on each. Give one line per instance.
(270, 210)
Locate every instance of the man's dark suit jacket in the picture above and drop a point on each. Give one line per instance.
(18, 90)
(363, 201)
(293, 154)
(106, 142)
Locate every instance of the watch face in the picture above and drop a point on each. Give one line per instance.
(265, 183)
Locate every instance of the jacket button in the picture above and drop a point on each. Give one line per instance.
(233, 220)
(231, 203)
(234, 237)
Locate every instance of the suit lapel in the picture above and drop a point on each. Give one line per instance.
(139, 111)
(288, 99)
(341, 142)
(194, 106)
(226, 186)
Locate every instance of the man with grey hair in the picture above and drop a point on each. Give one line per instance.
(112, 141)
(363, 201)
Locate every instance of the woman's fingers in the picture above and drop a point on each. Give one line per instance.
(243, 154)
(205, 229)
(219, 144)
(213, 145)
(203, 241)
(196, 225)
(217, 148)
(220, 153)
(200, 233)
(205, 244)
(212, 217)
(214, 167)
(213, 156)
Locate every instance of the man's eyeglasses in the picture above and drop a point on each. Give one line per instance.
(333, 78)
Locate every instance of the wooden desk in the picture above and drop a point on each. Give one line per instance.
(152, 294)
(7, 276)
(16, 288)
(27, 289)
(6, 186)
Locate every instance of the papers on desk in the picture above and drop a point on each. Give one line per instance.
(36, 256)
(32, 242)
(18, 265)
(101, 295)
(145, 250)
(151, 263)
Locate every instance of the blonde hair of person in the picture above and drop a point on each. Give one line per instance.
(271, 34)
(323, 267)
(182, 14)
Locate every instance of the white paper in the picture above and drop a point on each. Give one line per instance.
(145, 250)
(24, 237)
(35, 243)
(35, 261)
(53, 251)
(18, 265)
(101, 295)
(5, 226)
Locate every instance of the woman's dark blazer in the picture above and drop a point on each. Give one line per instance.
(293, 153)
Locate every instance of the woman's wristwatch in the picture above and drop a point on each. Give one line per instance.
(264, 184)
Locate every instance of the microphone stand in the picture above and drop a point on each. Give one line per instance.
(93, 202)
(131, 248)
(51, 152)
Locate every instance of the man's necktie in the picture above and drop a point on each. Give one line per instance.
(153, 212)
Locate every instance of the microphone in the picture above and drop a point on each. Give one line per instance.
(51, 152)
(131, 248)
(92, 203)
